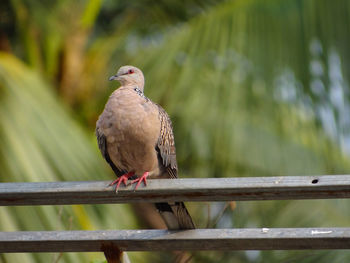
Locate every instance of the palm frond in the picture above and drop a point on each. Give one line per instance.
(41, 142)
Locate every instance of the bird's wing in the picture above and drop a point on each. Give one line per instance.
(102, 145)
(174, 214)
(166, 143)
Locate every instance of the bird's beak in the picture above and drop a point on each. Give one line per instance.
(113, 77)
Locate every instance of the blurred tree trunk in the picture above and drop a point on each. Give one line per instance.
(72, 65)
(148, 217)
(4, 43)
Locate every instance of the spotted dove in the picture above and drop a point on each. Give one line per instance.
(135, 137)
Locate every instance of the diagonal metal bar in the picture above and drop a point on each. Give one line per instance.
(209, 189)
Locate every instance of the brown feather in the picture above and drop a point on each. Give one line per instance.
(135, 135)
(166, 143)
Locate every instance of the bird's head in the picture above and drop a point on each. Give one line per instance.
(129, 75)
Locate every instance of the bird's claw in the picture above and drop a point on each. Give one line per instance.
(139, 180)
(122, 179)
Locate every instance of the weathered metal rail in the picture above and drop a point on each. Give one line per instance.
(210, 189)
(213, 189)
(198, 239)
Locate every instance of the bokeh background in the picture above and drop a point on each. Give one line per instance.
(254, 88)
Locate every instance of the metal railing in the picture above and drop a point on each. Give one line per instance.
(212, 189)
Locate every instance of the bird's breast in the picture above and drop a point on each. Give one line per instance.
(132, 115)
(131, 126)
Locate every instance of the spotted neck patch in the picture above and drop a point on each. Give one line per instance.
(140, 93)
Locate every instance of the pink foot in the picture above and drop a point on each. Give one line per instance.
(124, 178)
(139, 180)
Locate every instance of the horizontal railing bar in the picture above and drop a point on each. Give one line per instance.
(197, 239)
(209, 189)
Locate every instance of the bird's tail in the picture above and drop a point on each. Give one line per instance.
(175, 215)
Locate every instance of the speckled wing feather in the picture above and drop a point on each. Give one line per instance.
(166, 143)
(174, 214)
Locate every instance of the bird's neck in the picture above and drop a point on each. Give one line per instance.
(138, 87)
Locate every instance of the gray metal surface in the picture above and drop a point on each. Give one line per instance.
(197, 239)
(209, 189)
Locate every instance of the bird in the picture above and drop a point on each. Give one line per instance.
(135, 137)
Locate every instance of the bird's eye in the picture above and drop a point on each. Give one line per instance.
(131, 71)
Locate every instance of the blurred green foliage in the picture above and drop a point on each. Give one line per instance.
(254, 88)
